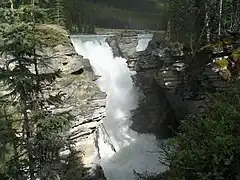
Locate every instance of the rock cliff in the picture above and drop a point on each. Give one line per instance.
(83, 99)
(173, 81)
(74, 91)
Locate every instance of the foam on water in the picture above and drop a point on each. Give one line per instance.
(143, 40)
(121, 149)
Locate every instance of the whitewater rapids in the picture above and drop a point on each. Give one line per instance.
(122, 150)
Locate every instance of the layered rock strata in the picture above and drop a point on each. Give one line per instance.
(76, 92)
(84, 100)
(172, 81)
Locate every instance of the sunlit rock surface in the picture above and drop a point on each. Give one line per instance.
(84, 100)
(75, 91)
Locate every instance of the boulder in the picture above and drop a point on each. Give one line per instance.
(124, 44)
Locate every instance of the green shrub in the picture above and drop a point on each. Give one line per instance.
(51, 35)
(209, 147)
(222, 64)
(236, 55)
(206, 147)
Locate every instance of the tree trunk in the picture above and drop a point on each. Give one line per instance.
(27, 129)
(27, 132)
(220, 17)
(12, 5)
(236, 17)
(39, 90)
(207, 21)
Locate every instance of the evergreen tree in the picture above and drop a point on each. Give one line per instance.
(59, 16)
(198, 22)
(33, 137)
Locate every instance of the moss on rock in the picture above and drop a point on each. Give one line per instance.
(225, 74)
(227, 41)
(217, 44)
(236, 55)
(51, 35)
(222, 64)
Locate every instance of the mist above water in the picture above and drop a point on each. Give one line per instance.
(122, 150)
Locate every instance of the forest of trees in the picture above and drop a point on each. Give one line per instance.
(197, 22)
(132, 14)
(72, 14)
(31, 136)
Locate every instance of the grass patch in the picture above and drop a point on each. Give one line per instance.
(51, 35)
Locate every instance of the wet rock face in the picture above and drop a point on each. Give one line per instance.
(113, 43)
(173, 84)
(159, 74)
(124, 45)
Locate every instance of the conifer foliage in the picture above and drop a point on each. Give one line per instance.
(31, 137)
(196, 22)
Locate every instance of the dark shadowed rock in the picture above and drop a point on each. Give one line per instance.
(113, 43)
(173, 85)
(158, 76)
(78, 72)
(124, 44)
(171, 80)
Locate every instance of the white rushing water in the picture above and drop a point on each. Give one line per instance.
(143, 40)
(121, 149)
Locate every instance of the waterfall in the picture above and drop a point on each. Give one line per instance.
(143, 40)
(121, 149)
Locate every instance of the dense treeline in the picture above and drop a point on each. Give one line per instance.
(81, 16)
(74, 14)
(111, 17)
(197, 22)
(128, 14)
(134, 5)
